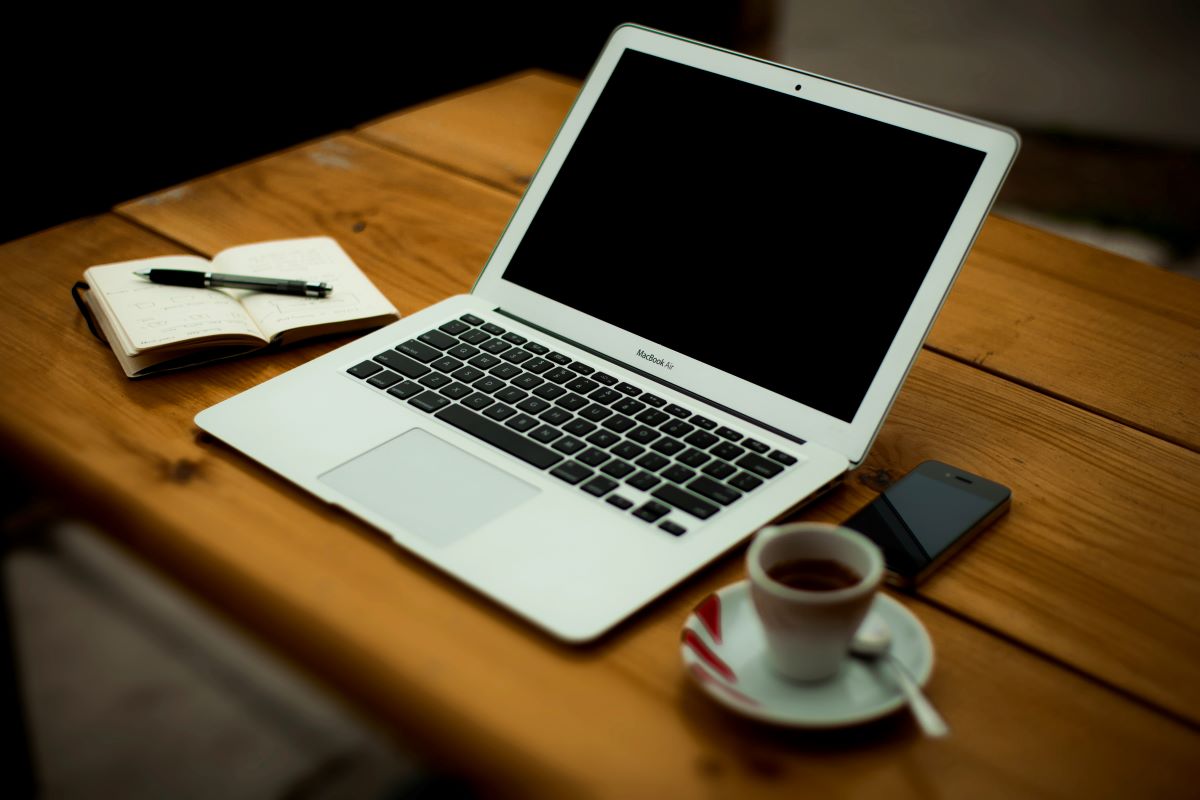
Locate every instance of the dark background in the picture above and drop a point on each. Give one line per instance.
(101, 109)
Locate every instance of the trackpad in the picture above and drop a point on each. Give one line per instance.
(429, 487)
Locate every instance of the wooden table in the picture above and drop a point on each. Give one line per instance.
(1068, 641)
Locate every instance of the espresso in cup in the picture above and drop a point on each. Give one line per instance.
(812, 585)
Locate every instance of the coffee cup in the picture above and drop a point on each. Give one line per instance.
(812, 585)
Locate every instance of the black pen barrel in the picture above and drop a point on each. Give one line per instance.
(178, 277)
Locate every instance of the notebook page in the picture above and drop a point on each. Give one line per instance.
(152, 315)
(318, 258)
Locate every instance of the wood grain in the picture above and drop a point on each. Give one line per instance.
(477, 687)
(1106, 333)
(1074, 569)
(497, 133)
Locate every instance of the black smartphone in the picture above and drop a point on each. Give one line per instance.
(927, 516)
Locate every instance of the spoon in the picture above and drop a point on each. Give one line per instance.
(873, 642)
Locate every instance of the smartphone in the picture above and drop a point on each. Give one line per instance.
(927, 516)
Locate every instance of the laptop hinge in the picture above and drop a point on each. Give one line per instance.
(656, 379)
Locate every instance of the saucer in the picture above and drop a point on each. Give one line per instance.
(724, 651)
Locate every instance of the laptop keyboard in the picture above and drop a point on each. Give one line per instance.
(623, 445)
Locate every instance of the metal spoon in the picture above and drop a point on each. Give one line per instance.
(873, 642)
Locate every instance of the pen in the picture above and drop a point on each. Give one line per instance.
(201, 280)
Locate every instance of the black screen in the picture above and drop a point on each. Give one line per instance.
(766, 235)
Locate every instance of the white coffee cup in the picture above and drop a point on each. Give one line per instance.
(809, 630)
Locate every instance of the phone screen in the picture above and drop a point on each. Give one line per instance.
(924, 515)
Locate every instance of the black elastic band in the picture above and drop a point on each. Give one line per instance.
(85, 310)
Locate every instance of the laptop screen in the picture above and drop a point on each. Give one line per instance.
(766, 235)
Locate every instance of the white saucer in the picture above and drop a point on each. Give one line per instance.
(724, 651)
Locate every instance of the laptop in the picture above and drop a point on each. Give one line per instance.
(695, 321)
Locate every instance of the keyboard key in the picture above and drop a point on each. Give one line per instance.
(759, 466)
(652, 462)
(569, 445)
(474, 336)
(484, 361)
(463, 351)
(745, 481)
(493, 329)
(678, 473)
(516, 356)
(582, 385)
(643, 481)
(455, 391)
(488, 384)
(559, 375)
(782, 458)
(667, 446)
(527, 380)
(604, 396)
(429, 401)
(545, 434)
(685, 501)
(505, 371)
(604, 378)
(620, 502)
(595, 412)
(549, 391)
(678, 428)
(364, 370)
(435, 380)
(652, 417)
(572, 402)
(454, 327)
(533, 405)
(467, 374)
(514, 338)
(581, 368)
(571, 472)
(438, 339)
(537, 365)
(471, 319)
(593, 456)
(558, 358)
(579, 427)
(629, 389)
(701, 440)
(703, 422)
(672, 528)
(618, 423)
(719, 469)
(446, 364)
(554, 416)
(727, 451)
(604, 438)
(756, 446)
(384, 379)
(651, 511)
(599, 486)
(494, 346)
(406, 390)
(536, 349)
(653, 400)
(509, 441)
(643, 435)
(728, 433)
(692, 457)
(617, 468)
(402, 364)
(511, 395)
(478, 401)
(500, 411)
(677, 411)
(718, 492)
(521, 422)
(628, 406)
(628, 450)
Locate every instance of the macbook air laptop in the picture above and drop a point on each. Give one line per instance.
(695, 321)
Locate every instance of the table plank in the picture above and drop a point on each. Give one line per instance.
(1060, 574)
(497, 132)
(475, 685)
(1111, 335)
